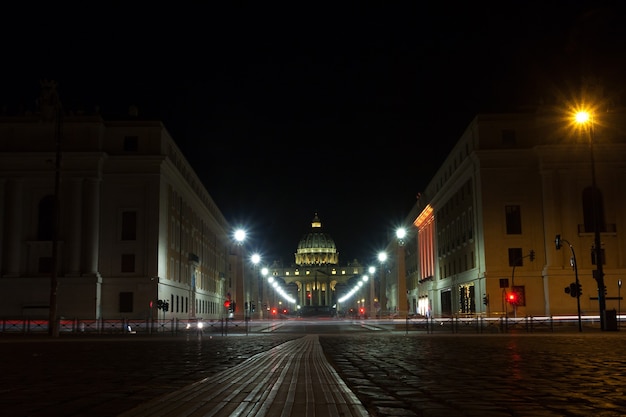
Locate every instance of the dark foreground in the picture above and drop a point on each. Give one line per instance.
(392, 373)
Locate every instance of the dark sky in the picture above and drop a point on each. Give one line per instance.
(344, 110)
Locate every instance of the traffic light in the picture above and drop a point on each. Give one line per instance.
(531, 256)
(486, 299)
(274, 311)
(361, 311)
(231, 308)
(573, 290)
(511, 297)
(163, 305)
(580, 289)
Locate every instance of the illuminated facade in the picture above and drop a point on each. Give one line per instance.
(508, 187)
(136, 224)
(316, 281)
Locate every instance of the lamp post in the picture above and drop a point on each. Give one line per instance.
(557, 242)
(584, 118)
(241, 290)
(382, 258)
(402, 303)
(372, 296)
(262, 295)
(53, 110)
(256, 260)
(619, 302)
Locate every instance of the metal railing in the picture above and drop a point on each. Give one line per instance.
(479, 324)
(123, 326)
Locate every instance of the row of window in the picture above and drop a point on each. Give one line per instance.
(177, 304)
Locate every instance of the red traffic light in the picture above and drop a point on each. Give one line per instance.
(227, 303)
(274, 311)
(361, 310)
(511, 298)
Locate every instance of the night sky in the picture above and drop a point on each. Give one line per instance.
(344, 110)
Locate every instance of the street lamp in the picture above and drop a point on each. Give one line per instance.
(402, 296)
(239, 286)
(372, 297)
(619, 302)
(382, 258)
(557, 242)
(264, 272)
(256, 260)
(585, 119)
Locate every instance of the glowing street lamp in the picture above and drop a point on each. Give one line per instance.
(584, 119)
(372, 297)
(256, 260)
(401, 234)
(240, 236)
(264, 273)
(239, 285)
(402, 303)
(382, 258)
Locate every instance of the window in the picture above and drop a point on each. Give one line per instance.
(513, 220)
(128, 262)
(515, 257)
(129, 225)
(131, 143)
(126, 302)
(466, 299)
(520, 291)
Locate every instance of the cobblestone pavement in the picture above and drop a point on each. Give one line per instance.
(485, 375)
(426, 375)
(103, 376)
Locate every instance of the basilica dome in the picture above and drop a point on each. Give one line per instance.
(317, 247)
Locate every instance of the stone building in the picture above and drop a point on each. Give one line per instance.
(137, 235)
(484, 228)
(315, 281)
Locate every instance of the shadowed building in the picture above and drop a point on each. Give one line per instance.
(137, 234)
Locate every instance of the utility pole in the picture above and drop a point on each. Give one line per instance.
(51, 109)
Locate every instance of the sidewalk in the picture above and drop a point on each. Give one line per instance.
(292, 379)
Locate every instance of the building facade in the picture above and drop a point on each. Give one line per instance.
(313, 284)
(484, 228)
(137, 235)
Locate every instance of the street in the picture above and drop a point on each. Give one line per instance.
(415, 374)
